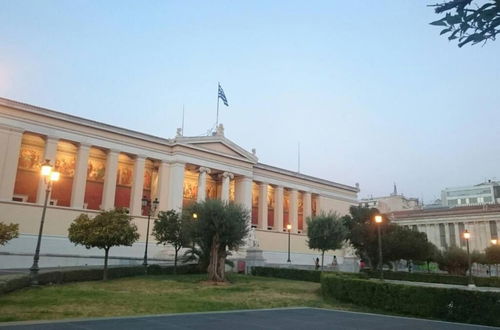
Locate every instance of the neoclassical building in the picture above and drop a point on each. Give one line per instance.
(103, 167)
(445, 226)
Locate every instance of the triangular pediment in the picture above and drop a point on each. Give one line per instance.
(219, 145)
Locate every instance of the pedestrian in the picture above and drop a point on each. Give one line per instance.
(362, 264)
(334, 262)
(316, 263)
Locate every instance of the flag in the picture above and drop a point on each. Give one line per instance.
(222, 96)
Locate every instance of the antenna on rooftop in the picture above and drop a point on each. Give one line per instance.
(298, 157)
(182, 119)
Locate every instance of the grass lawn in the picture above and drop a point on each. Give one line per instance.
(157, 295)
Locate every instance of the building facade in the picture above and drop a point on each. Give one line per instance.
(480, 194)
(393, 202)
(103, 167)
(445, 227)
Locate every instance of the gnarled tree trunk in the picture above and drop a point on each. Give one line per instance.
(213, 266)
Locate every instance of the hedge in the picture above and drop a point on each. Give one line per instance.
(441, 303)
(297, 274)
(436, 278)
(14, 282)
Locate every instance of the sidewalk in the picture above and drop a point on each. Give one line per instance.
(448, 286)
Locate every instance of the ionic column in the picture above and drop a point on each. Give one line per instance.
(176, 186)
(307, 210)
(226, 177)
(202, 183)
(10, 146)
(50, 154)
(243, 192)
(294, 210)
(80, 177)
(457, 234)
(109, 189)
(447, 234)
(137, 186)
(262, 215)
(278, 208)
(162, 188)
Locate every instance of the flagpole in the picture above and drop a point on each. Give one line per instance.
(182, 119)
(217, 121)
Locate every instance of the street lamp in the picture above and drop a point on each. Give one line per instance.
(467, 237)
(49, 176)
(378, 221)
(494, 241)
(150, 209)
(289, 228)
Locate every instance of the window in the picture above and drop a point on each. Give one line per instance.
(414, 227)
(453, 202)
(473, 200)
(463, 201)
(487, 199)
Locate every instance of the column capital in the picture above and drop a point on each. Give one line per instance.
(140, 157)
(113, 151)
(51, 138)
(84, 145)
(202, 169)
(227, 175)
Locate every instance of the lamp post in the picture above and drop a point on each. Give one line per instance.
(467, 237)
(289, 228)
(49, 176)
(494, 241)
(150, 209)
(378, 222)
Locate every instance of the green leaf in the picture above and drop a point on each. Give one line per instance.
(440, 22)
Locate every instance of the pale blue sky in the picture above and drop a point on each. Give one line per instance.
(369, 88)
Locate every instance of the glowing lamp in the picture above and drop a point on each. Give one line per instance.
(466, 234)
(54, 176)
(289, 227)
(46, 168)
(378, 219)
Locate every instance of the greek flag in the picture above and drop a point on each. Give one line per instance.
(222, 96)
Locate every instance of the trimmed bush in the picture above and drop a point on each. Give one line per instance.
(10, 283)
(441, 303)
(297, 274)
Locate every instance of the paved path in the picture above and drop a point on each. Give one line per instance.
(447, 286)
(287, 319)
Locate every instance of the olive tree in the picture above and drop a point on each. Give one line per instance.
(469, 21)
(8, 232)
(105, 230)
(221, 227)
(325, 232)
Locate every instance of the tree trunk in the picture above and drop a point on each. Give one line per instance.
(105, 273)
(322, 258)
(428, 269)
(213, 274)
(221, 264)
(175, 258)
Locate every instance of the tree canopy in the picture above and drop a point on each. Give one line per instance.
(8, 232)
(172, 228)
(454, 260)
(493, 254)
(325, 232)
(469, 21)
(221, 227)
(397, 242)
(105, 230)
